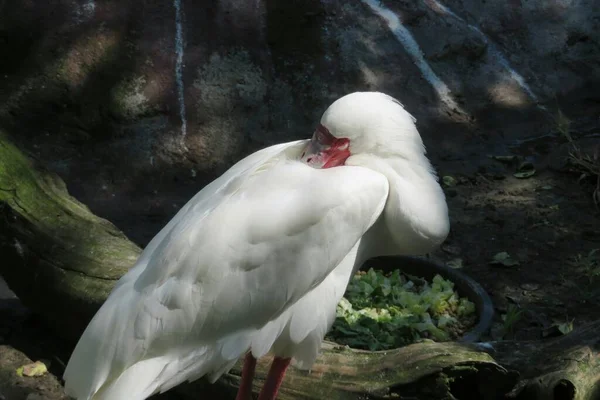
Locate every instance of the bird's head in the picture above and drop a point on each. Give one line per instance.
(363, 123)
(373, 130)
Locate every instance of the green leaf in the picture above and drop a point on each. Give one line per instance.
(565, 327)
(504, 259)
(449, 181)
(524, 174)
(366, 288)
(525, 170)
(456, 263)
(386, 287)
(37, 368)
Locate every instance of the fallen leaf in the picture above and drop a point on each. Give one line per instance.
(449, 181)
(565, 327)
(456, 263)
(525, 170)
(504, 259)
(37, 368)
(524, 174)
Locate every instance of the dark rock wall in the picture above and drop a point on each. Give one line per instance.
(90, 87)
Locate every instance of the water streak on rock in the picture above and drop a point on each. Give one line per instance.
(179, 48)
(412, 47)
(495, 54)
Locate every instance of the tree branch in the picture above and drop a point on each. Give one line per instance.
(57, 256)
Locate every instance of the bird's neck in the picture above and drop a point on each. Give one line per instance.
(415, 218)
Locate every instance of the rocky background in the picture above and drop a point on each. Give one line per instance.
(95, 89)
(137, 104)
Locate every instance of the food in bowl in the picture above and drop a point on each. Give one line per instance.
(381, 311)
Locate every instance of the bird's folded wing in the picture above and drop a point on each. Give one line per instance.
(243, 262)
(230, 265)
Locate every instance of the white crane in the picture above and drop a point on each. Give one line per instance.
(257, 261)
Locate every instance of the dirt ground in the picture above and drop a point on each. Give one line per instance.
(548, 224)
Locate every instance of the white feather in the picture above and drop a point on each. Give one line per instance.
(259, 258)
(264, 244)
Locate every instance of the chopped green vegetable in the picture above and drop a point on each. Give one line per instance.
(37, 368)
(384, 311)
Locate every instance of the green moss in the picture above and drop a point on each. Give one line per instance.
(61, 226)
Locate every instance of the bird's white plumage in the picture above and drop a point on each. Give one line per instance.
(234, 260)
(259, 258)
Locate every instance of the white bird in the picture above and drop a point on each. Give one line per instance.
(257, 261)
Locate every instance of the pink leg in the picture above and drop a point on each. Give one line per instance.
(245, 389)
(274, 378)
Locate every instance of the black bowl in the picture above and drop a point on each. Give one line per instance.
(464, 285)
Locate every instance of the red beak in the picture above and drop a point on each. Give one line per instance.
(326, 151)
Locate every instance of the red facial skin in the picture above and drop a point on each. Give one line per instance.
(325, 150)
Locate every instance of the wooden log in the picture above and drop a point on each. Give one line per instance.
(341, 373)
(57, 256)
(562, 368)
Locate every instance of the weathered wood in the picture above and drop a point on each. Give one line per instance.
(57, 256)
(562, 368)
(348, 374)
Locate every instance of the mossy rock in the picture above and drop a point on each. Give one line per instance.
(57, 256)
